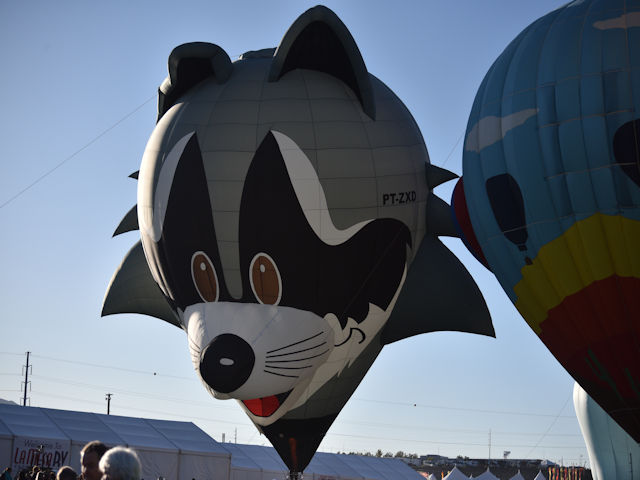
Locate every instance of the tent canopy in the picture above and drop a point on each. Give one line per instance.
(29, 422)
(517, 476)
(456, 474)
(180, 450)
(160, 444)
(487, 475)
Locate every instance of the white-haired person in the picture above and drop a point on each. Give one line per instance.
(120, 463)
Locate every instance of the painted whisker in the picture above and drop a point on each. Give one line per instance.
(296, 343)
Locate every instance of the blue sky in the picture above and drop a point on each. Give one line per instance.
(79, 89)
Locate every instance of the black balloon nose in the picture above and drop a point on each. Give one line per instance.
(226, 363)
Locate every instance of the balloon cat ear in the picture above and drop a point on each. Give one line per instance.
(133, 290)
(189, 64)
(318, 40)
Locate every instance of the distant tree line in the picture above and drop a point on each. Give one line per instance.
(380, 454)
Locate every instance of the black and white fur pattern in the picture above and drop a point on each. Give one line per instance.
(332, 289)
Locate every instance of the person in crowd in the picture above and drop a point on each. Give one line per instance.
(66, 473)
(25, 474)
(6, 475)
(120, 463)
(90, 456)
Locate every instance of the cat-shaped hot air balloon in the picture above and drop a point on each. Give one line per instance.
(288, 225)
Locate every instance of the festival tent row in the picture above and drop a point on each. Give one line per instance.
(456, 474)
(53, 438)
(173, 450)
(254, 462)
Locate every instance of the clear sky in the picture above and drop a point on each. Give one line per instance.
(79, 82)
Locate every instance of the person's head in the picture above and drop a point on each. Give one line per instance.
(90, 456)
(120, 463)
(66, 473)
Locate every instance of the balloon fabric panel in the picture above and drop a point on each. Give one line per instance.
(573, 270)
(282, 201)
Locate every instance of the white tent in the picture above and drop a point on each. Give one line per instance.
(613, 453)
(201, 457)
(329, 465)
(81, 428)
(321, 469)
(487, 475)
(242, 466)
(173, 450)
(517, 476)
(456, 474)
(393, 468)
(52, 438)
(540, 476)
(35, 438)
(159, 457)
(254, 462)
(6, 443)
(358, 464)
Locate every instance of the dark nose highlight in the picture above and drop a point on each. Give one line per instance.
(226, 363)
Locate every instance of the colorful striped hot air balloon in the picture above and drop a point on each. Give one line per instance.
(552, 187)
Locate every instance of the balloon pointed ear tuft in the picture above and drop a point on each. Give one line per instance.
(318, 40)
(189, 64)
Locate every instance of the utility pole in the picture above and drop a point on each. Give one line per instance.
(489, 461)
(108, 399)
(26, 381)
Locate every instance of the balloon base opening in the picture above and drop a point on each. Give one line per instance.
(294, 476)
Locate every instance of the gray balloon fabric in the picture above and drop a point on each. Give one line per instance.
(287, 219)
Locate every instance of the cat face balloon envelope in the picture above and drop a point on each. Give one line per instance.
(287, 225)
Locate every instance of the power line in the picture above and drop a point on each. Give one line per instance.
(143, 372)
(452, 150)
(386, 402)
(437, 442)
(452, 430)
(551, 425)
(473, 410)
(413, 427)
(155, 412)
(183, 401)
(124, 392)
(74, 154)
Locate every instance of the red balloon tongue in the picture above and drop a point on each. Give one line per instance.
(262, 407)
